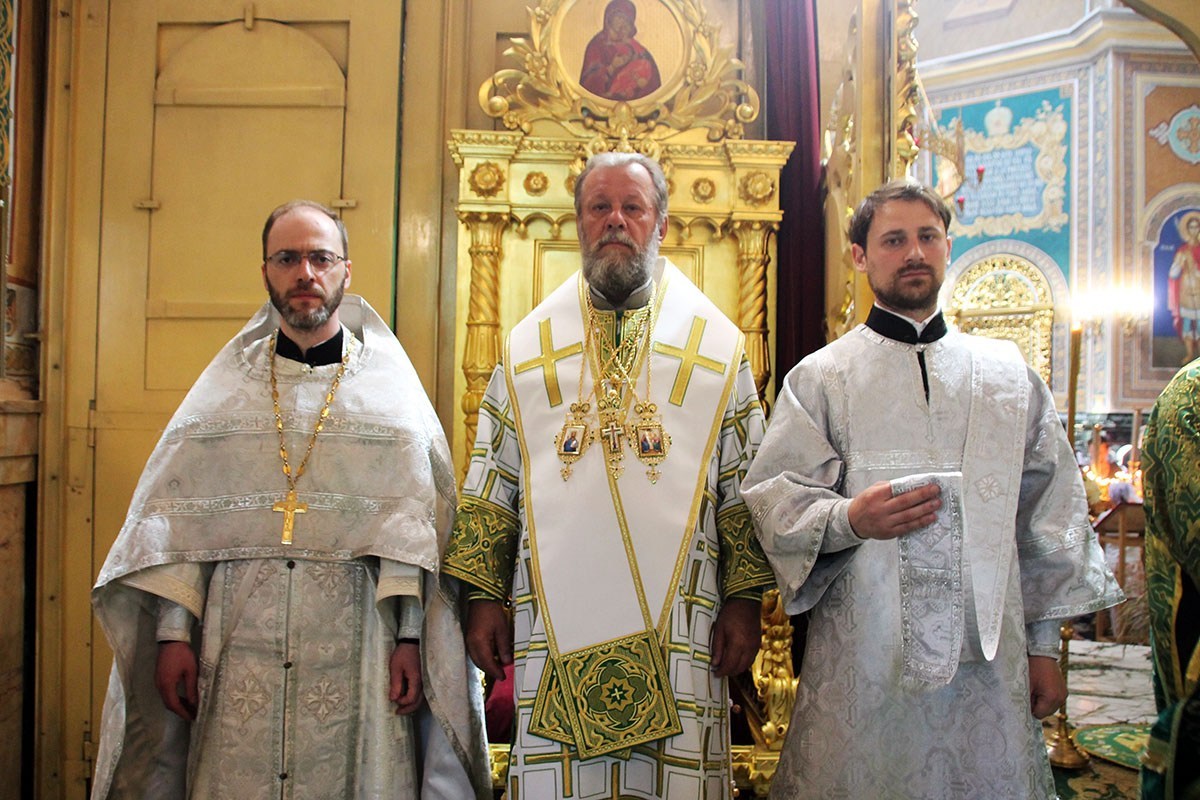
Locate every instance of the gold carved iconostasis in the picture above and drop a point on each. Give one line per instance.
(653, 77)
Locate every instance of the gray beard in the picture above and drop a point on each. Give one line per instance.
(617, 275)
(307, 320)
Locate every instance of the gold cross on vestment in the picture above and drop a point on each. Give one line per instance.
(689, 358)
(290, 508)
(548, 359)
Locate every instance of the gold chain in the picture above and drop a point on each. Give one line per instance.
(622, 359)
(615, 388)
(292, 506)
(321, 417)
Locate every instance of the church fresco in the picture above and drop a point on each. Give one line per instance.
(1171, 150)
(1017, 171)
(1176, 318)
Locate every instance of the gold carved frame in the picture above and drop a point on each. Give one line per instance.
(517, 239)
(871, 136)
(1007, 297)
(701, 85)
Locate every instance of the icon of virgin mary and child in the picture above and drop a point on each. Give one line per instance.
(615, 65)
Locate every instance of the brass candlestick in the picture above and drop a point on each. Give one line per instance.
(1061, 747)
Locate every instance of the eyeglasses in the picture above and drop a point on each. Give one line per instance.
(319, 260)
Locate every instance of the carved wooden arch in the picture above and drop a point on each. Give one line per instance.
(286, 67)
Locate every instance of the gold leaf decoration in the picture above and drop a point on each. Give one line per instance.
(487, 179)
(706, 91)
(756, 188)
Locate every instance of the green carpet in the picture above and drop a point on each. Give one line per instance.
(1121, 744)
(1112, 773)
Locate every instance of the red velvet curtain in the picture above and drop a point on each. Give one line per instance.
(794, 114)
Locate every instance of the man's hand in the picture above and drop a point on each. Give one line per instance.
(489, 637)
(175, 677)
(736, 636)
(876, 514)
(1047, 689)
(404, 670)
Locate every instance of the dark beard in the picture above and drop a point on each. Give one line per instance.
(307, 320)
(617, 275)
(914, 299)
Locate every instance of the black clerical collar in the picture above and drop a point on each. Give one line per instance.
(327, 352)
(901, 329)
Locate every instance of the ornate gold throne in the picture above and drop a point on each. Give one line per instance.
(517, 237)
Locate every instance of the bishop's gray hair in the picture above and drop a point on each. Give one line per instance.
(619, 160)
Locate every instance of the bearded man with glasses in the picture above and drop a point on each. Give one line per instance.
(278, 623)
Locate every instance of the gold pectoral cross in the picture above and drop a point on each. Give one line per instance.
(290, 508)
(612, 433)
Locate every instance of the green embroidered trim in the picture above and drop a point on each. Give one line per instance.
(1171, 466)
(744, 566)
(483, 546)
(550, 718)
(620, 695)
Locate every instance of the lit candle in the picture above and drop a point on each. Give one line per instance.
(1135, 433)
(1073, 380)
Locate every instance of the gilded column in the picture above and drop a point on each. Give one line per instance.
(484, 161)
(482, 350)
(751, 237)
(754, 215)
(839, 151)
(907, 94)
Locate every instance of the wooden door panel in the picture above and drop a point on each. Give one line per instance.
(243, 118)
